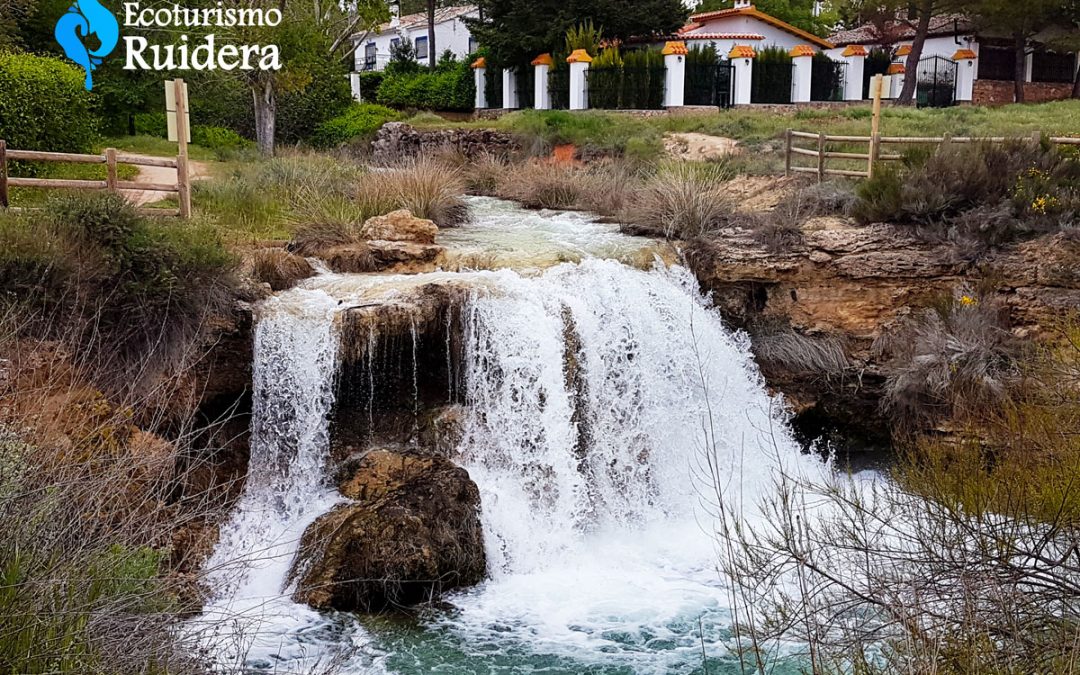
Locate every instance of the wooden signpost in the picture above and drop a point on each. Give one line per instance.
(875, 124)
(179, 122)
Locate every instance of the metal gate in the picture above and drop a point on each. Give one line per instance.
(937, 82)
(709, 84)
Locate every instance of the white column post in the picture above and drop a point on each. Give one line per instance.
(354, 85)
(965, 75)
(802, 58)
(541, 93)
(509, 88)
(479, 67)
(855, 56)
(742, 60)
(897, 74)
(675, 74)
(579, 79)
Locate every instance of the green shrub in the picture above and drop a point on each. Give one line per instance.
(771, 82)
(127, 288)
(359, 121)
(452, 88)
(151, 124)
(44, 105)
(369, 85)
(225, 143)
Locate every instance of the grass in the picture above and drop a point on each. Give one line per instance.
(155, 146)
(34, 197)
(643, 136)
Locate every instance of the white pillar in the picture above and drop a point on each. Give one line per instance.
(509, 87)
(579, 79)
(855, 57)
(742, 61)
(965, 75)
(675, 74)
(354, 85)
(479, 77)
(541, 93)
(897, 74)
(802, 59)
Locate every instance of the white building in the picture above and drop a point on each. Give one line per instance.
(372, 50)
(744, 25)
(1048, 74)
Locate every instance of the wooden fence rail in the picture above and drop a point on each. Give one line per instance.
(111, 159)
(874, 154)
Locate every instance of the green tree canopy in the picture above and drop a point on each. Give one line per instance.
(516, 31)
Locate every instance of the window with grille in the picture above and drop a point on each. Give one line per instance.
(370, 52)
(1047, 66)
(421, 48)
(997, 63)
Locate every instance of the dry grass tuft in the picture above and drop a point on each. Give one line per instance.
(279, 268)
(426, 187)
(682, 200)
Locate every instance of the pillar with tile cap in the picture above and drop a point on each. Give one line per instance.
(675, 74)
(802, 68)
(965, 75)
(541, 94)
(742, 62)
(579, 62)
(855, 57)
(479, 67)
(897, 73)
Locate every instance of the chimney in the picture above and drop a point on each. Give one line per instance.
(395, 13)
(743, 4)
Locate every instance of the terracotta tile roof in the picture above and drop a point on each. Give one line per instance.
(418, 20)
(854, 50)
(543, 60)
(579, 56)
(897, 69)
(802, 50)
(742, 52)
(675, 47)
(706, 17)
(946, 24)
(963, 54)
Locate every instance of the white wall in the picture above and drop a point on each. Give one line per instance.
(453, 35)
(770, 35)
(935, 46)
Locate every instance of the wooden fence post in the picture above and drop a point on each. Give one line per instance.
(787, 153)
(821, 158)
(3, 175)
(183, 182)
(875, 125)
(110, 169)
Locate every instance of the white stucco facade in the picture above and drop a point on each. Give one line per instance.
(744, 25)
(372, 51)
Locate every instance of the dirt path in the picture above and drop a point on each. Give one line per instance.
(161, 174)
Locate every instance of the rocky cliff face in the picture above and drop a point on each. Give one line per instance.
(818, 311)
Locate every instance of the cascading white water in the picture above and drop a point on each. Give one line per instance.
(296, 360)
(596, 393)
(599, 552)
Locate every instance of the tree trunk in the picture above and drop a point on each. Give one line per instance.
(1020, 66)
(431, 33)
(911, 67)
(265, 114)
(1076, 85)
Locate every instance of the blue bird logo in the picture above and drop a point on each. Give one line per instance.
(83, 19)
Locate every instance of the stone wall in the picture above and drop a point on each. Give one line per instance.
(397, 140)
(1000, 92)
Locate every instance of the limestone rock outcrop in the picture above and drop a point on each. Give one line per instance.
(400, 225)
(410, 532)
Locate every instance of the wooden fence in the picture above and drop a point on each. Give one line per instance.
(111, 159)
(874, 154)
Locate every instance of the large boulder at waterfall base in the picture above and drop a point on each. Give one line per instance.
(400, 225)
(410, 532)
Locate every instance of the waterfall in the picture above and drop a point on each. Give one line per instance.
(596, 394)
(296, 360)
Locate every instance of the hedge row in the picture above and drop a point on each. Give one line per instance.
(44, 105)
(449, 89)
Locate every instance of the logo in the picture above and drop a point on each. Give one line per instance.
(83, 19)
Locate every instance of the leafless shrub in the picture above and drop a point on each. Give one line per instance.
(483, 174)
(315, 238)
(787, 349)
(954, 357)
